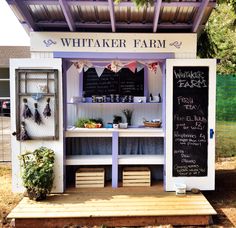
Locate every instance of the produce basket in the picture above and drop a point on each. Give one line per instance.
(152, 124)
(93, 125)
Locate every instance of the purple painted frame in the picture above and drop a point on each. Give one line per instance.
(115, 152)
(68, 15)
(113, 55)
(122, 56)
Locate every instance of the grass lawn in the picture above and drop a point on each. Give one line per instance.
(225, 139)
(8, 200)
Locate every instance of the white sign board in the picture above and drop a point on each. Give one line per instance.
(113, 42)
(190, 123)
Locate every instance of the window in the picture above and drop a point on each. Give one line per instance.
(4, 83)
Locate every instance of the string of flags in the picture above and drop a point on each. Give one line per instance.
(115, 66)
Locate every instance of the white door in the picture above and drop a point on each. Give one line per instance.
(45, 129)
(190, 123)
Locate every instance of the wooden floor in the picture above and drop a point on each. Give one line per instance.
(125, 206)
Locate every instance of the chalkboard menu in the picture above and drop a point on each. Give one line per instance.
(124, 82)
(190, 125)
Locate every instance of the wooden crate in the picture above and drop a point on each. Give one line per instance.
(136, 176)
(90, 178)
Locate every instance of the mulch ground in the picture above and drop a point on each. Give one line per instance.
(223, 199)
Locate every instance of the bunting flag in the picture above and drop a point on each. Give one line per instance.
(83, 64)
(108, 66)
(132, 66)
(87, 64)
(99, 70)
(153, 66)
(140, 66)
(79, 66)
(115, 66)
(86, 68)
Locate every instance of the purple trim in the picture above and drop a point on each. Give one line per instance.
(46, 24)
(156, 15)
(115, 144)
(131, 4)
(118, 25)
(199, 15)
(164, 117)
(88, 3)
(25, 14)
(105, 3)
(174, 26)
(67, 13)
(94, 25)
(107, 56)
(112, 15)
(146, 91)
(43, 2)
(185, 4)
(64, 113)
(64, 91)
(81, 84)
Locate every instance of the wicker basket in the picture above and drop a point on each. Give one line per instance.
(152, 124)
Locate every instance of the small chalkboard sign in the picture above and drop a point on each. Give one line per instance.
(124, 82)
(190, 120)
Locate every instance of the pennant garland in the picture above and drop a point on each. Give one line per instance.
(153, 66)
(86, 68)
(116, 66)
(82, 64)
(132, 66)
(99, 70)
(79, 66)
(140, 66)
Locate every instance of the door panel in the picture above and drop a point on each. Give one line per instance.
(19, 147)
(190, 104)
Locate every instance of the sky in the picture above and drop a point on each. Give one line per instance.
(12, 32)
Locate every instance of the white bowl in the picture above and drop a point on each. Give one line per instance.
(180, 189)
(116, 126)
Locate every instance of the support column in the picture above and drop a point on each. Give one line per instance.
(115, 142)
(164, 116)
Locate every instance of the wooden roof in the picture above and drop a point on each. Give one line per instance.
(106, 16)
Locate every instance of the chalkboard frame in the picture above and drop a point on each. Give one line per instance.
(201, 182)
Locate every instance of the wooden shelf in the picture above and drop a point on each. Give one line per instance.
(141, 159)
(89, 160)
(107, 132)
(122, 160)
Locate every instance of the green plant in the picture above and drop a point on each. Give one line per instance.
(37, 173)
(82, 121)
(218, 38)
(128, 115)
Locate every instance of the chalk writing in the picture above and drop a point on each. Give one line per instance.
(190, 114)
(123, 83)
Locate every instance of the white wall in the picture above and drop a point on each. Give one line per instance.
(41, 55)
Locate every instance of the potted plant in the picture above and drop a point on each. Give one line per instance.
(128, 115)
(37, 173)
